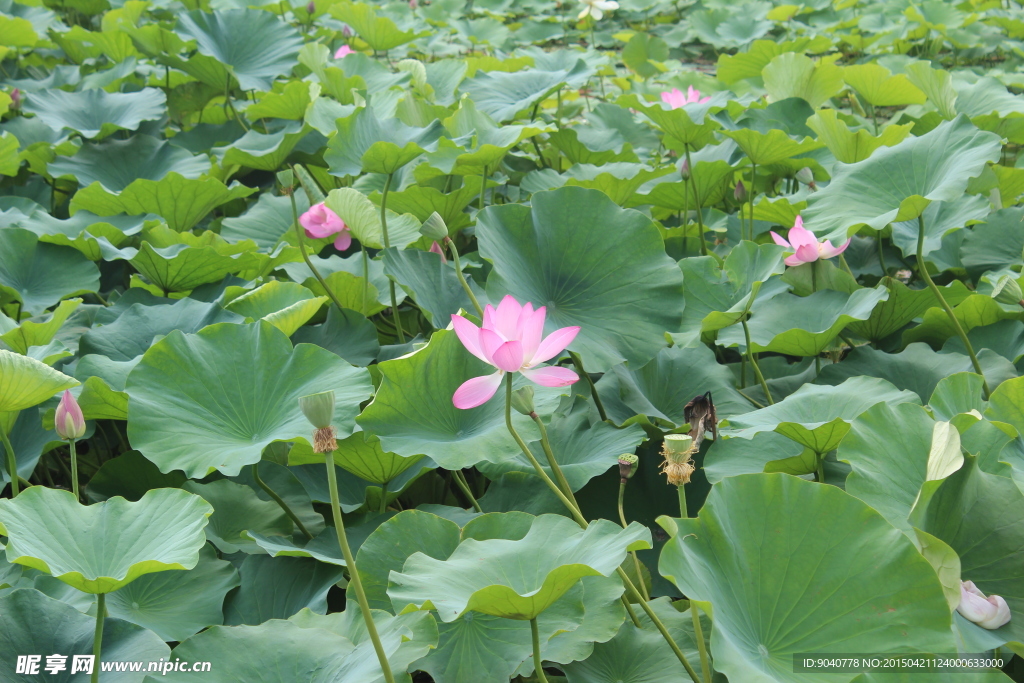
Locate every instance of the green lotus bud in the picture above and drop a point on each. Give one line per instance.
(1007, 291)
(434, 227)
(522, 400)
(805, 175)
(286, 178)
(627, 465)
(319, 410)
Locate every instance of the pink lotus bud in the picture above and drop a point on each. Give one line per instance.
(69, 421)
(684, 169)
(740, 193)
(435, 248)
(15, 99)
(311, 7)
(346, 31)
(343, 51)
(413, 4)
(989, 612)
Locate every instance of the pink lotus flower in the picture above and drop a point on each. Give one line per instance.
(321, 222)
(68, 421)
(675, 97)
(344, 51)
(510, 340)
(987, 612)
(806, 246)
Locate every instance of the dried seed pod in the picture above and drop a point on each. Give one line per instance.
(700, 413)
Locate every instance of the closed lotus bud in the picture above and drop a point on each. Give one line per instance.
(346, 31)
(69, 421)
(522, 400)
(677, 466)
(319, 410)
(1007, 291)
(684, 169)
(311, 7)
(805, 176)
(990, 612)
(15, 99)
(434, 227)
(435, 248)
(413, 4)
(740, 193)
(627, 465)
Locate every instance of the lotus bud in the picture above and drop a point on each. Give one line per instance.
(15, 99)
(413, 4)
(346, 31)
(435, 248)
(740, 193)
(311, 7)
(319, 410)
(522, 400)
(990, 612)
(684, 169)
(805, 176)
(1007, 291)
(434, 227)
(69, 421)
(627, 466)
(678, 450)
(286, 178)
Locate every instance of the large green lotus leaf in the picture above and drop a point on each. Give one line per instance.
(771, 147)
(162, 531)
(362, 455)
(380, 33)
(618, 285)
(490, 142)
(432, 283)
(940, 219)
(710, 177)
(690, 124)
(255, 46)
(346, 333)
(31, 622)
(956, 394)
(130, 476)
(25, 382)
(796, 75)
(182, 268)
(791, 566)
(898, 183)
(38, 332)
(266, 222)
(216, 399)
(515, 579)
(879, 87)
(29, 439)
(278, 587)
(38, 274)
(850, 146)
(803, 325)
(996, 243)
(95, 112)
(366, 142)
(981, 516)
(1005, 404)
(181, 201)
(977, 310)
(422, 201)
(285, 484)
(177, 606)
(662, 388)
(412, 412)
(765, 452)
(114, 164)
(355, 493)
(285, 305)
(888, 448)
(502, 95)
(363, 218)
(903, 305)
(818, 417)
(584, 450)
(236, 509)
(262, 151)
(97, 238)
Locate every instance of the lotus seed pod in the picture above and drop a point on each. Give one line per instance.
(628, 465)
(805, 175)
(318, 408)
(434, 227)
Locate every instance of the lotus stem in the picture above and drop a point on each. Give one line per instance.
(353, 572)
(814, 288)
(463, 485)
(97, 639)
(696, 198)
(753, 194)
(300, 240)
(366, 278)
(74, 469)
(881, 254)
(277, 499)
(819, 471)
(636, 560)
(681, 492)
(387, 245)
(537, 663)
(12, 462)
(462, 277)
(483, 186)
(698, 635)
(578, 362)
(923, 268)
(552, 462)
(383, 498)
(750, 350)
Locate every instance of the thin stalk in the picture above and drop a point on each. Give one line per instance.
(97, 638)
(923, 268)
(383, 498)
(74, 470)
(698, 635)
(537, 662)
(814, 288)
(696, 198)
(462, 277)
(881, 256)
(366, 277)
(300, 240)
(681, 491)
(387, 245)
(354, 579)
(578, 362)
(483, 186)
(12, 462)
(846, 266)
(750, 352)
(753, 177)
(552, 462)
(636, 560)
(276, 498)
(460, 481)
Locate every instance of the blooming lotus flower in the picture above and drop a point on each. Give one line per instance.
(596, 8)
(320, 222)
(344, 51)
(987, 612)
(675, 97)
(68, 420)
(806, 246)
(511, 341)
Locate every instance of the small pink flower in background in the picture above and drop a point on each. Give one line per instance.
(413, 4)
(321, 222)
(512, 340)
(989, 612)
(68, 421)
(675, 97)
(343, 51)
(435, 248)
(15, 99)
(806, 246)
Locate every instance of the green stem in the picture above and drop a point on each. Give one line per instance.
(819, 467)
(698, 635)
(552, 462)
(696, 198)
(537, 662)
(881, 255)
(353, 572)
(463, 485)
(12, 462)
(387, 245)
(846, 266)
(814, 288)
(276, 498)
(366, 278)
(462, 277)
(483, 186)
(578, 362)
(636, 560)
(383, 498)
(74, 470)
(753, 362)
(97, 638)
(300, 240)
(751, 194)
(923, 268)
(681, 491)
